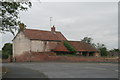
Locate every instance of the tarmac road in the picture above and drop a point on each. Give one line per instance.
(19, 71)
(62, 70)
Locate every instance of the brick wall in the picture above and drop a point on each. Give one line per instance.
(27, 57)
(44, 57)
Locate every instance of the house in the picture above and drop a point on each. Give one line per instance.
(31, 40)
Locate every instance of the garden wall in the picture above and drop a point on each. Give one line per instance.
(44, 57)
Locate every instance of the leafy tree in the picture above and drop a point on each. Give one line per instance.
(103, 51)
(7, 50)
(102, 48)
(115, 50)
(98, 45)
(69, 47)
(10, 14)
(87, 40)
(5, 55)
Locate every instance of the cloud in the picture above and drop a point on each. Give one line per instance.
(76, 20)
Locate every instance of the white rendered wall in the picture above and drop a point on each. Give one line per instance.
(21, 44)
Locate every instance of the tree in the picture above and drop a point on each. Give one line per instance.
(88, 40)
(102, 48)
(115, 50)
(10, 14)
(7, 50)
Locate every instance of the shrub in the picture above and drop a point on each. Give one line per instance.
(70, 47)
(5, 56)
(103, 52)
(7, 50)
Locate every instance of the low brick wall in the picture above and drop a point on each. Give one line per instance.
(27, 57)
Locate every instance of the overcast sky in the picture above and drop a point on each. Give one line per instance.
(75, 20)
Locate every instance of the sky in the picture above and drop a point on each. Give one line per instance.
(76, 20)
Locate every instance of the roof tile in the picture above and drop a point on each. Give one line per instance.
(43, 35)
(78, 45)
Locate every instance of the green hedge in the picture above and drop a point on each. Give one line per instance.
(5, 56)
(69, 47)
(7, 50)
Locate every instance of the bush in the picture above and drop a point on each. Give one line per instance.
(7, 50)
(103, 52)
(5, 55)
(70, 47)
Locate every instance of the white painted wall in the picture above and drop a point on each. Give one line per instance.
(37, 46)
(42, 46)
(21, 44)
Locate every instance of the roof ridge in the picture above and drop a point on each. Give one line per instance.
(79, 41)
(40, 30)
(43, 34)
(74, 41)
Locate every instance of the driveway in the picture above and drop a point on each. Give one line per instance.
(63, 70)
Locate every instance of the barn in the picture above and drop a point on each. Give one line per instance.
(32, 40)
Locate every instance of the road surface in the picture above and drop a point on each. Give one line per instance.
(19, 71)
(62, 70)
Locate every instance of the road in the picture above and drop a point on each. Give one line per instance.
(64, 70)
(19, 71)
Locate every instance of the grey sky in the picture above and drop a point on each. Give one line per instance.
(75, 20)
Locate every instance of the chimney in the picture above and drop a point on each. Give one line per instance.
(53, 29)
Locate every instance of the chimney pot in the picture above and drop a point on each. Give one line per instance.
(53, 28)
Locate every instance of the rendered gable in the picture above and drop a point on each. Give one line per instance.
(21, 44)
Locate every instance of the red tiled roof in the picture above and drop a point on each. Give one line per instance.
(82, 46)
(43, 35)
(60, 47)
(79, 46)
